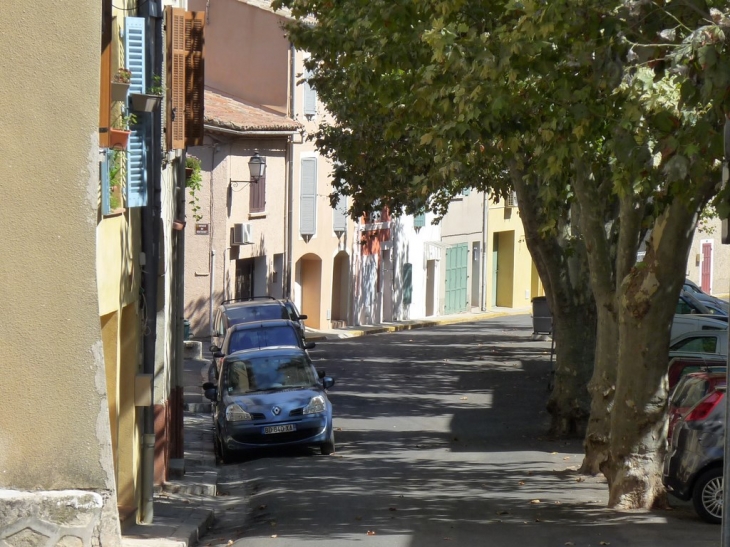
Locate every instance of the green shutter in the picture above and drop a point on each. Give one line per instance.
(104, 177)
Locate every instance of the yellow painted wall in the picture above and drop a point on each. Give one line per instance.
(47, 236)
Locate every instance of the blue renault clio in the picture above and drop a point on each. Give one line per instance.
(270, 397)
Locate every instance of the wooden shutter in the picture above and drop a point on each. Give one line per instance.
(175, 136)
(419, 221)
(339, 215)
(310, 97)
(134, 44)
(308, 197)
(105, 104)
(257, 196)
(194, 77)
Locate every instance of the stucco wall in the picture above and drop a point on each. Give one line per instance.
(720, 258)
(57, 243)
(236, 34)
(51, 344)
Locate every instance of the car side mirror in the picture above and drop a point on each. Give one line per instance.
(302, 317)
(309, 345)
(214, 348)
(218, 354)
(210, 391)
(328, 382)
(321, 373)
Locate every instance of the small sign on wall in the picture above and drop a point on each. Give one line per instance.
(202, 229)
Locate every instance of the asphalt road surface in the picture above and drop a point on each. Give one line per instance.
(440, 438)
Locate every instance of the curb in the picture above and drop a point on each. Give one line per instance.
(416, 324)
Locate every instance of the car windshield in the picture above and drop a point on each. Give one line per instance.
(263, 337)
(248, 314)
(264, 373)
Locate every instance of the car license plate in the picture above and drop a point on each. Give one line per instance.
(279, 429)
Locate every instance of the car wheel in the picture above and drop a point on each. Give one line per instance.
(707, 495)
(328, 447)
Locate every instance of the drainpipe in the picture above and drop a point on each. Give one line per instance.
(289, 255)
(485, 220)
(212, 289)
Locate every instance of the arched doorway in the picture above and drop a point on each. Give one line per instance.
(309, 273)
(340, 288)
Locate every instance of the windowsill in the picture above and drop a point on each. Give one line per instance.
(262, 214)
(115, 213)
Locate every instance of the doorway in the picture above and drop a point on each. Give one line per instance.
(244, 278)
(340, 287)
(430, 288)
(387, 291)
(476, 274)
(310, 280)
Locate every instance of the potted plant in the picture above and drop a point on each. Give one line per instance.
(193, 182)
(148, 102)
(119, 133)
(120, 84)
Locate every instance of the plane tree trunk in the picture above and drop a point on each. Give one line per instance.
(561, 262)
(646, 300)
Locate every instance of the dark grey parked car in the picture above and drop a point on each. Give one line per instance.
(693, 468)
(257, 335)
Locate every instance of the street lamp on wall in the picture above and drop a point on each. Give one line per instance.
(257, 170)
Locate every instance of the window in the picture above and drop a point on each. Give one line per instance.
(697, 344)
(339, 215)
(683, 307)
(308, 197)
(257, 196)
(310, 96)
(419, 221)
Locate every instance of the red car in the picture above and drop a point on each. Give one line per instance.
(690, 390)
(679, 366)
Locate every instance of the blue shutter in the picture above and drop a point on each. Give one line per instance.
(134, 44)
(310, 97)
(339, 216)
(308, 197)
(419, 221)
(104, 176)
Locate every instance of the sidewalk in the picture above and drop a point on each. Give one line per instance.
(185, 508)
(314, 335)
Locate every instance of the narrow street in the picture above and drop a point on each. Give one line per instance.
(440, 441)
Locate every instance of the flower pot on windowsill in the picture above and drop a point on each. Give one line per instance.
(118, 139)
(188, 173)
(178, 225)
(143, 102)
(119, 91)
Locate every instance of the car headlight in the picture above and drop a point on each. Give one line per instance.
(234, 413)
(315, 406)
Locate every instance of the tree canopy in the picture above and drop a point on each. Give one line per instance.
(604, 115)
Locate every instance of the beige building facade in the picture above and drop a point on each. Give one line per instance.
(68, 459)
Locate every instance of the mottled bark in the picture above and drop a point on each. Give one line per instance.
(575, 335)
(562, 265)
(647, 300)
(601, 387)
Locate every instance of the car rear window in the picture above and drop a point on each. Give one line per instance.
(249, 314)
(264, 373)
(264, 337)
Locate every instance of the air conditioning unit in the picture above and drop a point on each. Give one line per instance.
(511, 200)
(242, 234)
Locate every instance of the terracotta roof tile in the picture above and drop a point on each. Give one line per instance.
(228, 113)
